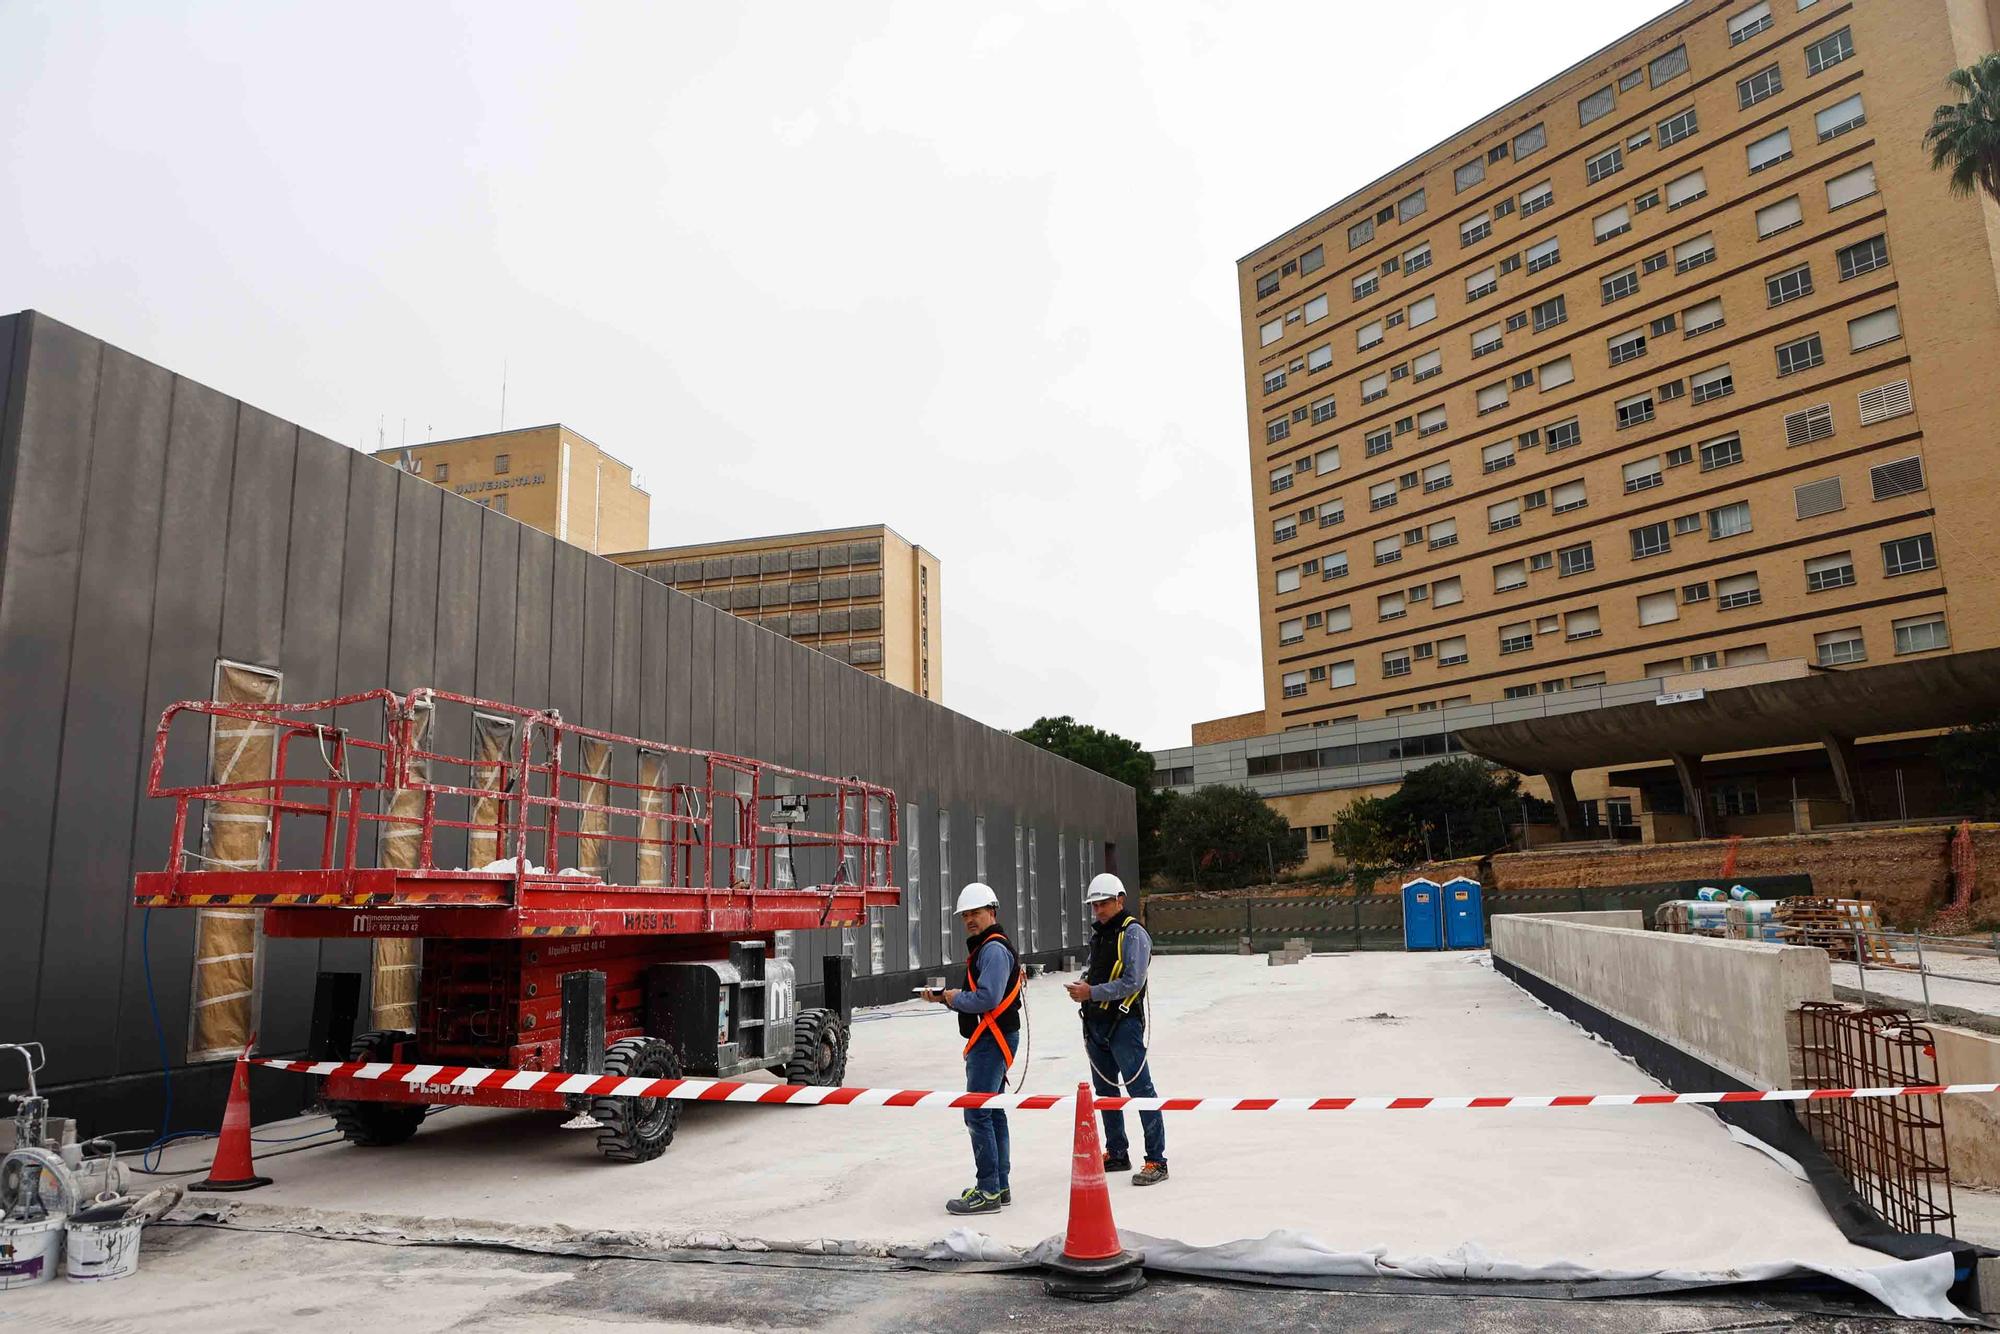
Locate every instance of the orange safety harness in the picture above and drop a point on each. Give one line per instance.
(988, 1022)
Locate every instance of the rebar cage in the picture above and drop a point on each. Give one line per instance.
(445, 785)
(1891, 1149)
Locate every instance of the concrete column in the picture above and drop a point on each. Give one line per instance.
(1562, 795)
(1694, 791)
(1846, 773)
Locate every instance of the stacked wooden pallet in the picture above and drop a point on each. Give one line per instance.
(1847, 929)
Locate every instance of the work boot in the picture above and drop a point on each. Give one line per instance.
(1117, 1162)
(1006, 1195)
(974, 1201)
(1152, 1174)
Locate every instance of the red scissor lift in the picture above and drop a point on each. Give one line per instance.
(540, 959)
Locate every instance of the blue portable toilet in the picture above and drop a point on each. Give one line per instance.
(1423, 927)
(1464, 922)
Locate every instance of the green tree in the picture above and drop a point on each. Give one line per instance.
(1225, 837)
(1115, 757)
(1969, 758)
(1964, 135)
(1453, 808)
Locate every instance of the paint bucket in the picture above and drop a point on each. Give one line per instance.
(100, 1251)
(29, 1251)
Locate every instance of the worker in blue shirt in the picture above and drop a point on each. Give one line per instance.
(1113, 993)
(989, 1019)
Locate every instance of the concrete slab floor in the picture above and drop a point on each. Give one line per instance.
(208, 1281)
(1634, 1190)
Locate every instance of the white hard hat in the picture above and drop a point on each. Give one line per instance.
(976, 895)
(1103, 888)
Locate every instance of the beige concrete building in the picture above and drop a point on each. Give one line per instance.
(865, 595)
(1681, 362)
(548, 477)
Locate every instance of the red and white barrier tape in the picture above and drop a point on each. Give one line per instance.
(472, 1078)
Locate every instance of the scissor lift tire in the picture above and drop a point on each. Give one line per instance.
(376, 1125)
(819, 1050)
(637, 1130)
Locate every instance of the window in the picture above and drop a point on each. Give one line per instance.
(1634, 410)
(1536, 500)
(1583, 623)
(1372, 388)
(1474, 230)
(1316, 309)
(1509, 576)
(1285, 529)
(1696, 320)
(1518, 692)
(1651, 199)
(1312, 260)
(1319, 358)
(1430, 421)
(1448, 592)
(1619, 285)
(1562, 435)
(1663, 67)
(1697, 593)
(1729, 520)
(1849, 186)
(1756, 19)
(1396, 662)
(1616, 222)
(1812, 499)
(1530, 141)
(1884, 401)
(1481, 284)
(1544, 255)
(1568, 496)
(1443, 533)
(1333, 514)
(1828, 52)
(1769, 151)
(1468, 175)
(1410, 206)
(1381, 495)
(1628, 346)
(1595, 107)
(1721, 453)
(1295, 684)
(1679, 457)
(1918, 634)
(1676, 128)
(1390, 607)
(1276, 429)
(1653, 263)
(1672, 390)
(1339, 620)
(1695, 252)
(1643, 475)
(1874, 329)
(1779, 217)
(1832, 571)
(1288, 579)
(1270, 333)
(1274, 381)
(1657, 609)
(1428, 364)
(1423, 311)
(1267, 284)
(1451, 652)
(1365, 286)
(1376, 442)
(1416, 257)
(1322, 410)
(1503, 514)
(1536, 198)
(1900, 477)
(1361, 233)
(1909, 555)
(1651, 540)
(1838, 119)
(1368, 335)
(1735, 799)
(1686, 189)
(1517, 638)
(1292, 631)
(1333, 566)
(1548, 314)
(1281, 478)
(1737, 591)
(1523, 380)
(1764, 83)
(1605, 165)
(1815, 423)
(1388, 550)
(1709, 385)
(1518, 320)
(444, 473)
(1789, 285)
(1492, 397)
(1437, 477)
(1800, 355)
(1486, 340)
(501, 464)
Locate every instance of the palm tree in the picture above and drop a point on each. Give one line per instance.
(1965, 135)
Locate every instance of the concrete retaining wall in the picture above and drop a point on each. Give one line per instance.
(1622, 919)
(1971, 1124)
(1727, 1002)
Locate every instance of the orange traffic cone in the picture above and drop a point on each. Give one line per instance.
(1093, 1266)
(231, 1169)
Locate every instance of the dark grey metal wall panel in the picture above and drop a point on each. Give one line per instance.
(260, 523)
(37, 618)
(499, 612)
(701, 675)
(622, 688)
(455, 664)
(678, 677)
(653, 666)
(600, 627)
(13, 371)
(535, 618)
(184, 630)
(413, 590)
(566, 636)
(96, 790)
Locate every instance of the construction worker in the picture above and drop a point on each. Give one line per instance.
(989, 1019)
(1113, 994)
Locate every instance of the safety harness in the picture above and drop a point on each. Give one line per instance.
(1004, 1018)
(1107, 964)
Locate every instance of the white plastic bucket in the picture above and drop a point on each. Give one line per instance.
(99, 1251)
(29, 1251)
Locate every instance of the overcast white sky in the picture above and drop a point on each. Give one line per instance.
(967, 269)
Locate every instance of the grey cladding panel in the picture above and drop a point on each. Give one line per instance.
(260, 513)
(414, 584)
(600, 624)
(499, 613)
(566, 633)
(535, 601)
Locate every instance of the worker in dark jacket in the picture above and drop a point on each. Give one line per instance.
(989, 1019)
(1113, 996)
